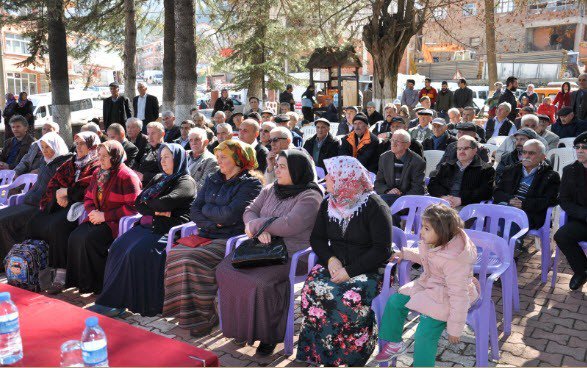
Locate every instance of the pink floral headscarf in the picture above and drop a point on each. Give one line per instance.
(352, 188)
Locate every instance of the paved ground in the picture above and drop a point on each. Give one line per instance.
(550, 329)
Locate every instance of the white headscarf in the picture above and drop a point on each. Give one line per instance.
(54, 141)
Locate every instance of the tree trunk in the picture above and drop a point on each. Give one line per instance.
(185, 52)
(130, 49)
(169, 56)
(255, 87)
(490, 43)
(57, 46)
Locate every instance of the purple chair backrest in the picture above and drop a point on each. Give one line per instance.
(487, 245)
(6, 176)
(28, 180)
(415, 205)
(320, 173)
(488, 215)
(398, 238)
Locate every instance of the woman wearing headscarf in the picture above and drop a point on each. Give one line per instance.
(13, 219)
(134, 270)
(190, 273)
(110, 196)
(25, 107)
(308, 100)
(255, 301)
(352, 238)
(8, 112)
(65, 188)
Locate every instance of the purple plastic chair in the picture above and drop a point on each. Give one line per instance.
(6, 177)
(184, 229)
(562, 221)
(487, 218)
(25, 180)
(320, 173)
(481, 316)
(545, 252)
(288, 342)
(127, 222)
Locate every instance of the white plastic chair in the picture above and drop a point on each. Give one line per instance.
(333, 128)
(561, 157)
(432, 158)
(566, 142)
(309, 131)
(497, 141)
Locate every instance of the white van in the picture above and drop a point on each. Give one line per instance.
(82, 109)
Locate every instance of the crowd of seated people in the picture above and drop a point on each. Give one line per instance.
(231, 185)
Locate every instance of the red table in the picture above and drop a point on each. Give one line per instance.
(46, 323)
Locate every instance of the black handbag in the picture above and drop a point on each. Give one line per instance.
(253, 253)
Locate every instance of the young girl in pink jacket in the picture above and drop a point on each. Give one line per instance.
(442, 294)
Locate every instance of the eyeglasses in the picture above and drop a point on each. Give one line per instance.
(276, 139)
(529, 153)
(464, 148)
(580, 146)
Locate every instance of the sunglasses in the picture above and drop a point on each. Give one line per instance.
(276, 139)
(580, 146)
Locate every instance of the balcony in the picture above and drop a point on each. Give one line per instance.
(547, 6)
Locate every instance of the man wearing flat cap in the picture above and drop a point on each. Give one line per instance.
(573, 200)
(440, 138)
(567, 125)
(116, 108)
(361, 144)
(372, 113)
(346, 125)
(283, 121)
(322, 145)
(513, 157)
(423, 129)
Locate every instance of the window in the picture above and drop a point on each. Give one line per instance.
(469, 10)
(17, 44)
(440, 13)
(539, 6)
(21, 82)
(504, 6)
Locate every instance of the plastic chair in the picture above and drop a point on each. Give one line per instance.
(497, 141)
(566, 142)
(320, 173)
(309, 131)
(544, 235)
(184, 229)
(488, 218)
(491, 148)
(25, 180)
(432, 158)
(127, 222)
(415, 204)
(562, 220)
(372, 176)
(333, 128)
(561, 157)
(288, 342)
(6, 177)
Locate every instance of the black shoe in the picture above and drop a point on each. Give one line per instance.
(265, 349)
(578, 280)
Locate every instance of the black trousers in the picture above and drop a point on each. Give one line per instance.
(13, 226)
(567, 238)
(308, 113)
(54, 228)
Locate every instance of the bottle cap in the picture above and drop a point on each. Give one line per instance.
(92, 322)
(4, 296)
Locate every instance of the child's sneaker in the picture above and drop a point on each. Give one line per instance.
(390, 350)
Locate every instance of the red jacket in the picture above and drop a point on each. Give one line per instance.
(432, 93)
(118, 199)
(562, 100)
(549, 110)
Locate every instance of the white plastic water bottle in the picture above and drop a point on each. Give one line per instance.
(10, 341)
(94, 346)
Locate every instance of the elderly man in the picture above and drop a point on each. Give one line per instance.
(398, 123)
(284, 108)
(281, 139)
(573, 200)
(440, 138)
(423, 129)
(579, 99)
(463, 129)
(466, 180)
(282, 120)
(266, 115)
(528, 121)
(567, 125)
(31, 161)
(528, 110)
(149, 165)
(223, 133)
(248, 133)
(116, 108)
(530, 185)
(512, 158)
(361, 144)
(16, 147)
(184, 129)
(145, 106)
(116, 132)
(346, 125)
(383, 127)
(219, 118)
(94, 128)
(134, 129)
(172, 131)
(265, 134)
(201, 162)
(545, 133)
(322, 145)
(372, 114)
(401, 171)
(500, 125)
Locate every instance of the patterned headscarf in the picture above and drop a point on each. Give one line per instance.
(180, 168)
(56, 143)
(117, 157)
(92, 141)
(243, 154)
(352, 188)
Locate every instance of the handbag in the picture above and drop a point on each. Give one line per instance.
(253, 253)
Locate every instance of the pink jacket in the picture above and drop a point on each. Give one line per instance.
(446, 289)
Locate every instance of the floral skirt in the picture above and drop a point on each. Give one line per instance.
(337, 326)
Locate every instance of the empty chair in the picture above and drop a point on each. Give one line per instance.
(498, 220)
(561, 157)
(497, 141)
(432, 158)
(566, 142)
(309, 131)
(25, 180)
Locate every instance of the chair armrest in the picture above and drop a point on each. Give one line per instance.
(294, 264)
(514, 239)
(174, 231)
(387, 280)
(127, 222)
(233, 243)
(16, 199)
(312, 260)
(487, 290)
